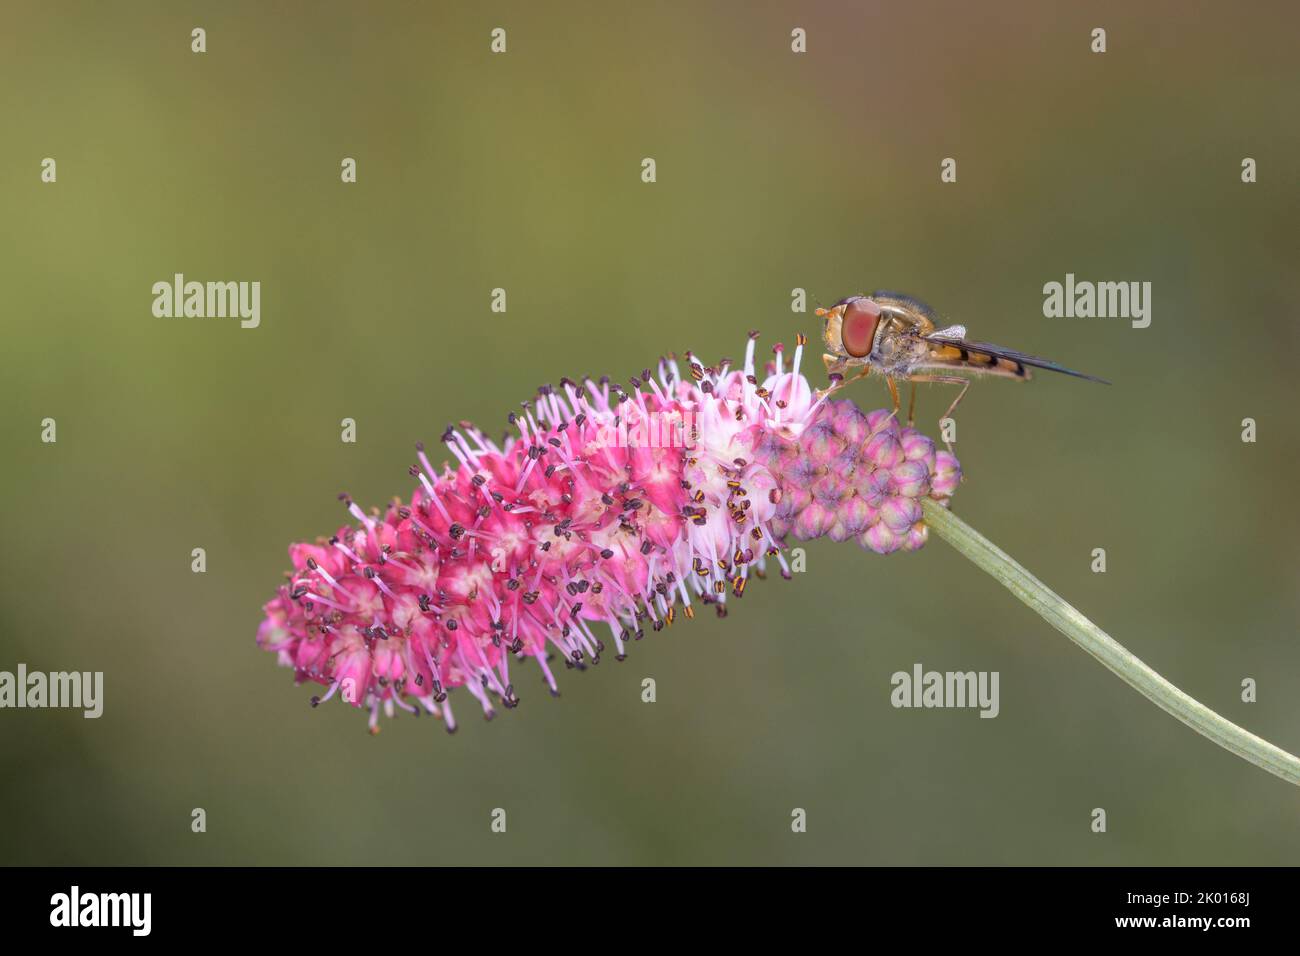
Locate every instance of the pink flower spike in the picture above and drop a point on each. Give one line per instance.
(605, 509)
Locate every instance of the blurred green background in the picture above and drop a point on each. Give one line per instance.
(522, 171)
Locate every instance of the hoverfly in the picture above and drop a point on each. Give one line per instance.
(898, 337)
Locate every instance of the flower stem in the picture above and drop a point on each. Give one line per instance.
(1053, 609)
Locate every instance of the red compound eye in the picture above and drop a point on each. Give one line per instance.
(858, 327)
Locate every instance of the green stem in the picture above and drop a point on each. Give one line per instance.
(1048, 605)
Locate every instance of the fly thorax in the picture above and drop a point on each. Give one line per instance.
(899, 354)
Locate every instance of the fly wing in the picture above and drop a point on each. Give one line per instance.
(984, 357)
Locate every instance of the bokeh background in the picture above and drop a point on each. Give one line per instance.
(522, 171)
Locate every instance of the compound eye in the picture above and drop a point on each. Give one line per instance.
(858, 327)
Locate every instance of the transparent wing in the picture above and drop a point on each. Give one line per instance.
(996, 359)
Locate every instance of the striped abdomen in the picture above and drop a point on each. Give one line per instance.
(981, 357)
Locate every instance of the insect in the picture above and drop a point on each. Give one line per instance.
(898, 337)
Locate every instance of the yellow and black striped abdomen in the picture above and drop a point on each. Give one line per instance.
(981, 357)
(965, 356)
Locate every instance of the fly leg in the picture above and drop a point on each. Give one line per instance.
(834, 367)
(834, 372)
(942, 380)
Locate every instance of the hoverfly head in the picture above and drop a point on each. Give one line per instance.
(850, 326)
